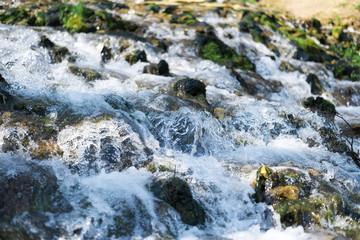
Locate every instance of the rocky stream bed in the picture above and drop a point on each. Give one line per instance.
(176, 120)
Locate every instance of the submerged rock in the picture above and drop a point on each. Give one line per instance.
(176, 192)
(212, 48)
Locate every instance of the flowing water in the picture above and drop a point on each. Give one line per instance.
(133, 116)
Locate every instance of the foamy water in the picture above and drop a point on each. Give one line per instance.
(218, 161)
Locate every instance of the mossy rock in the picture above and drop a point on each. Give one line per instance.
(337, 31)
(186, 18)
(162, 68)
(86, 73)
(176, 192)
(322, 106)
(308, 45)
(212, 48)
(344, 70)
(315, 84)
(189, 86)
(135, 56)
(152, 8)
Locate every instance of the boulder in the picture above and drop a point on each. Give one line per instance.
(57, 54)
(162, 68)
(25, 197)
(135, 56)
(212, 48)
(106, 54)
(256, 85)
(176, 192)
(314, 83)
(322, 106)
(190, 86)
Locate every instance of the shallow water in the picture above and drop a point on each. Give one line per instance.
(217, 157)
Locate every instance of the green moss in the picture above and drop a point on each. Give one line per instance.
(226, 56)
(308, 45)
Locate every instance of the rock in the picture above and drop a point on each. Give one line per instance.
(308, 50)
(219, 113)
(212, 48)
(189, 86)
(26, 196)
(256, 85)
(52, 18)
(106, 54)
(57, 54)
(170, 9)
(315, 84)
(88, 74)
(322, 106)
(152, 8)
(162, 68)
(186, 18)
(260, 183)
(287, 192)
(344, 70)
(346, 94)
(134, 57)
(176, 192)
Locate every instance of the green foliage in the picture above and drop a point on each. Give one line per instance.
(357, 7)
(74, 17)
(14, 15)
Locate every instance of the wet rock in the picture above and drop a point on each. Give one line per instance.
(287, 192)
(256, 85)
(308, 50)
(57, 54)
(52, 18)
(170, 9)
(86, 73)
(347, 95)
(189, 86)
(344, 70)
(212, 48)
(130, 219)
(314, 83)
(134, 57)
(186, 18)
(106, 54)
(25, 197)
(162, 68)
(322, 106)
(176, 192)
(152, 8)
(288, 67)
